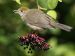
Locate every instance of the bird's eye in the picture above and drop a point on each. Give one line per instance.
(21, 10)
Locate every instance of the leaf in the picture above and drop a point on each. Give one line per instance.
(18, 1)
(42, 3)
(52, 4)
(52, 13)
(47, 4)
(60, 0)
(3, 40)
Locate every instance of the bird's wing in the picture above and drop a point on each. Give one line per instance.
(59, 25)
(51, 20)
(39, 19)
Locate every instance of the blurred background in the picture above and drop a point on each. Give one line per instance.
(11, 27)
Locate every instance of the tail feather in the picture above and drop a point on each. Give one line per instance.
(63, 27)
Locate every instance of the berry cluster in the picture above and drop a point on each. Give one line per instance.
(35, 42)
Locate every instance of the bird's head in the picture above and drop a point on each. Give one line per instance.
(22, 11)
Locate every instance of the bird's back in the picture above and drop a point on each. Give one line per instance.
(38, 18)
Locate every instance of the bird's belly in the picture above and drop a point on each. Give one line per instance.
(34, 27)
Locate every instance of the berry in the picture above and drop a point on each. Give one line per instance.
(35, 42)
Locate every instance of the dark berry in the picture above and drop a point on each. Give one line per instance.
(28, 51)
(31, 51)
(24, 47)
(29, 48)
(34, 41)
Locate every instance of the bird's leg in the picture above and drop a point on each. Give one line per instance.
(33, 32)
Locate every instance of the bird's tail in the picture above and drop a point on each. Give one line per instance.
(63, 27)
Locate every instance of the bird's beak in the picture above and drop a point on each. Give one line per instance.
(15, 11)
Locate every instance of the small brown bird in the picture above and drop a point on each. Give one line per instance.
(38, 20)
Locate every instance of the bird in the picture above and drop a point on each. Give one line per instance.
(38, 20)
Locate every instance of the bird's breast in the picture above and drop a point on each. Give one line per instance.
(34, 27)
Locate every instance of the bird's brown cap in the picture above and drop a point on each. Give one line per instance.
(23, 9)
